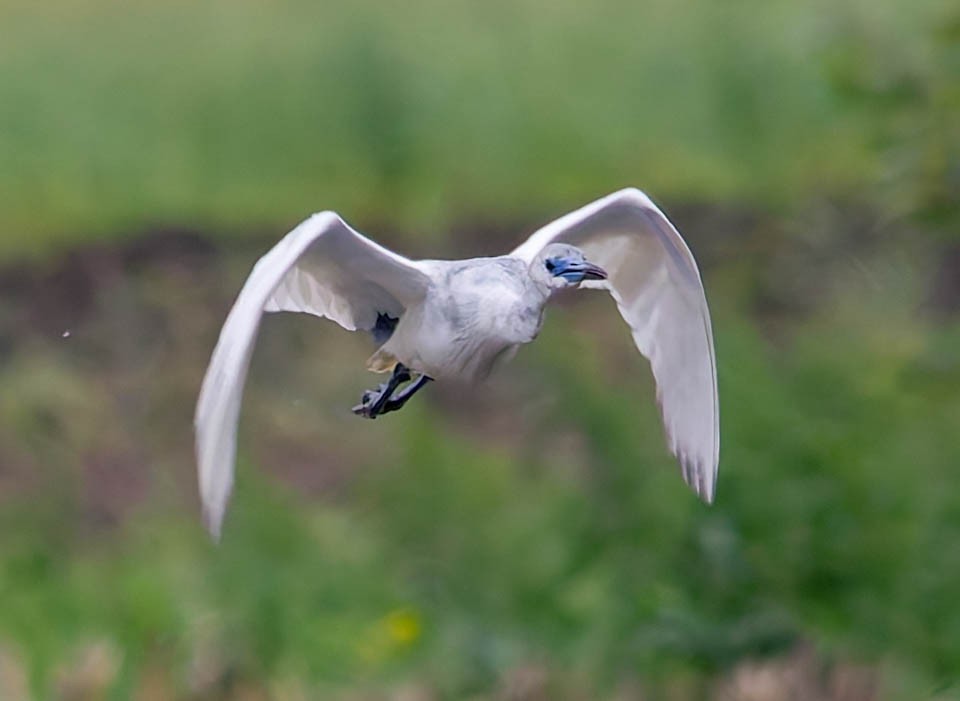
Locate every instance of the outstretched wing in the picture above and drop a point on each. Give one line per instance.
(322, 267)
(656, 284)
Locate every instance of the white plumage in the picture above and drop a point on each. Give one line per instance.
(459, 319)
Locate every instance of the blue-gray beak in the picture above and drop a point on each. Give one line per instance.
(576, 272)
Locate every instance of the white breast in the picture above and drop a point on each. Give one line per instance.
(475, 313)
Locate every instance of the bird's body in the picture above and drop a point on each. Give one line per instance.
(474, 314)
(458, 319)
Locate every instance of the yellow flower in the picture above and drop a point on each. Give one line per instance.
(403, 626)
(390, 635)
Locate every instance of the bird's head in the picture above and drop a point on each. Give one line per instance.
(560, 265)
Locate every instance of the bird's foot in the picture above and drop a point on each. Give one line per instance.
(382, 400)
(374, 401)
(364, 408)
(396, 402)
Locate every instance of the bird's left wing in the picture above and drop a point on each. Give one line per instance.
(655, 281)
(322, 267)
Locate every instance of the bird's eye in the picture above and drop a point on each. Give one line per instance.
(550, 265)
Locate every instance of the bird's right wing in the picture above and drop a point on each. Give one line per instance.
(654, 279)
(322, 267)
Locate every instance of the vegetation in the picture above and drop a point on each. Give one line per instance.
(535, 540)
(232, 115)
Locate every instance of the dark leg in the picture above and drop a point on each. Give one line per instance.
(397, 402)
(374, 400)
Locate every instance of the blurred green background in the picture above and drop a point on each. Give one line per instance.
(535, 542)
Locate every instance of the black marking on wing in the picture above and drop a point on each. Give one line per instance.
(384, 327)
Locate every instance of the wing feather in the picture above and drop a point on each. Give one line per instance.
(654, 279)
(322, 267)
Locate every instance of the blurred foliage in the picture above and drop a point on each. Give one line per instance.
(236, 114)
(456, 543)
(534, 542)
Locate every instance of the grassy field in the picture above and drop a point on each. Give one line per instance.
(536, 541)
(115, 116)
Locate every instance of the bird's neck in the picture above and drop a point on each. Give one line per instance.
(540, 291)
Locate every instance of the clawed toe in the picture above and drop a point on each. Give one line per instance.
(382, 400)
(374, 400)
(363, 410)
(366, 406)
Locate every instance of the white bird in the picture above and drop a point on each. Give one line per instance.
(458, 319)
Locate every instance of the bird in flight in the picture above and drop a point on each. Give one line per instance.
(436, 320)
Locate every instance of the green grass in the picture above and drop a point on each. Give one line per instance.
(239, 115)
(452, 546)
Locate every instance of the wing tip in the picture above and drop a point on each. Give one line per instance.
(707, 495)
(212, 507)
(704, 488)
(699, 476)
(213, 502)
(213, 521)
